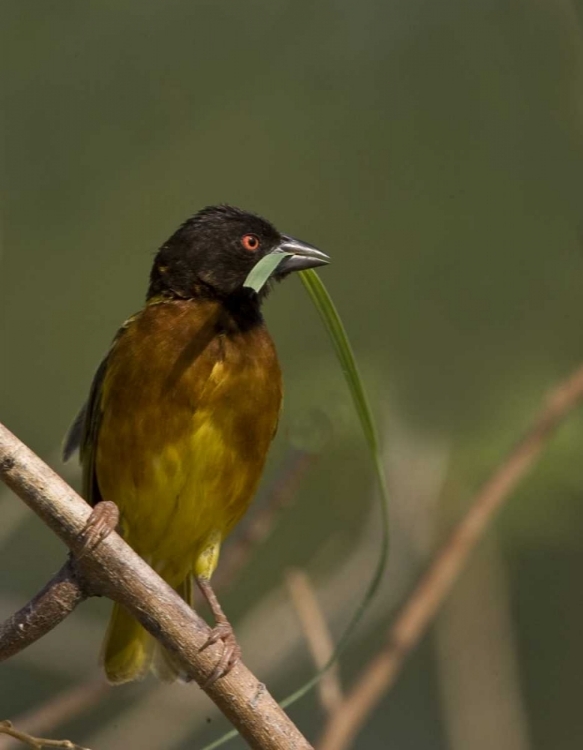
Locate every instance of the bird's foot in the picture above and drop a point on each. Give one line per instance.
(103, 520)
(223, 631)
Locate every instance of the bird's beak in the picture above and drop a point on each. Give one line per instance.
(302, 256)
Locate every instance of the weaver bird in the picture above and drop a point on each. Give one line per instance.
(180, 416)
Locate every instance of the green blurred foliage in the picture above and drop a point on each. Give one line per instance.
(433, 150)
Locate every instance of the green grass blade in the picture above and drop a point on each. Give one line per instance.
(325, 307)
(261, 272)
(333, 324)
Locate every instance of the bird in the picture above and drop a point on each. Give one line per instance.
(180, 416)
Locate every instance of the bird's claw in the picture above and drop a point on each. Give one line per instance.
(102, 521)
(230, 655)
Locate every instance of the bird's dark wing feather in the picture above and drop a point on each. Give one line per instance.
(83, 432)
(73, 437)
(83, 436)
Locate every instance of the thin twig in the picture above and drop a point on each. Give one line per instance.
(422, 604)
(60, 708)
(116, 571)
(36, 742)
(317, 636)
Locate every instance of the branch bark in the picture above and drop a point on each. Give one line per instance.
(61, 595)
(114, 570)
(423, 603)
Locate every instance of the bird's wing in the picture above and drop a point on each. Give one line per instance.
(73, 437)
(82, 434)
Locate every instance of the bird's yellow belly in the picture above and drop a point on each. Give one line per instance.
(182, 477)
(188, 498)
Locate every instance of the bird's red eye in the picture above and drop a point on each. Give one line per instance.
(250, 242)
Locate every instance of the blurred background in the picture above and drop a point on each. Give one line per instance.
(435, 151)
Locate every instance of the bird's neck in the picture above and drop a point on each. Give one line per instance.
(235, 313)
(241, 311)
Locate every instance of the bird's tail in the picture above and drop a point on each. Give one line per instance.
(129, 651)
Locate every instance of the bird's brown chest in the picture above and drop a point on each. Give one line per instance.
(189, 408)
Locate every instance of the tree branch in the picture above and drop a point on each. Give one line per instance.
(424, 601)
(116, 571)
(58, 709)
(317, 635)
(36, 742)
(46, 610)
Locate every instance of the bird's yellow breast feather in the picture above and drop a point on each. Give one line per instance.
(189, 408)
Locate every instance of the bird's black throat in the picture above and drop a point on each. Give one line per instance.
(242, 311)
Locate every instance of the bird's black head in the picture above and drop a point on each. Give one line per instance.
(212, 253)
